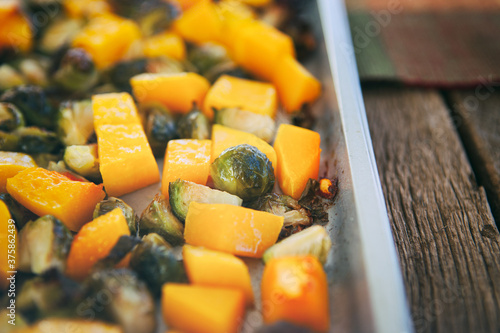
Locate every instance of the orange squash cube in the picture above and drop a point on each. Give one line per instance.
(86, 8)
(114, 109)
(202, 309)
(10, 164)
(8, 245)
(298, 150)
(188, 160)
(295, 289)
(15, 31)
(232, 229)
(259, 48)
(224, 137)
(200, 23)
(296, 86)
(94, 241)
(107, 38)
(176, 91)
(217, 269)
(254, 96)
(166, 44)
(256, 3)
(185, 4)
(49, 192)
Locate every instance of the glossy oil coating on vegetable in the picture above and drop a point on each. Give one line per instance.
(12, 163)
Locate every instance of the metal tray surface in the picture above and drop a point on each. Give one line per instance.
(365, 283)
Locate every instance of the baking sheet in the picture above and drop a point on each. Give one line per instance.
(365, 283)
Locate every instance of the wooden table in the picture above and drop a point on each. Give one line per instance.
(438, 156)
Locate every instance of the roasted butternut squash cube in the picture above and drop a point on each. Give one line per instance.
(49, 192)
(86, 8)
(200, 23)
(254, 96)
(232, 229)
(176, 91)
(10, 164)
(298, 151)
(295, 85)
(304, 301)
(187, 160)
(15, 30)
(201, 309)
(114, 109)
(165, 44)
(94, 241)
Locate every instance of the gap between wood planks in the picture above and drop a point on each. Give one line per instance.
(438, 214)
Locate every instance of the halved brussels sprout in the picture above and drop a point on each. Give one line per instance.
(160, 128)
(314, 241)
(207, 58)
(123, 299)
(34, 69)
(43, 159)
(194, 125)
(33, 140)
(44, 244)
(244, 171)
(260, 125)
(9, 141)
(76, 72)
(107, 205)
(158, 218)
(10, 77)
(10, 117)
(60, 32)
(19, 213)
(155, 263)
(83, 160)
(182, 193)
(121, 73)
(120, 250)
(75, 122)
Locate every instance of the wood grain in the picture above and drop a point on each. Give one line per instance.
(448, 244)
(478, 122)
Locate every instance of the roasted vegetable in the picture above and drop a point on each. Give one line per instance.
(128, 301)
(60, 167)
(9, 141)
(10, 117)
(167, 44)
(158, 218)
(210, 59)
(283, 326)
(232, 229)
(59, 33)
(44, 244)
(68, 324)
(194, 125)
(262, 126)
(43, 159)
(119, 255)
(76, 71)
(111, 203)
(33, 140)
(10, 77)
(313, 241)
(182, 193)
(121, 73)
(83, 160)
(20, 214)
(33, 103)
(243, 171)
(155, 263)
(75, 122)
(9, 243)
(34, 69)
(160, 128)
(11, 163)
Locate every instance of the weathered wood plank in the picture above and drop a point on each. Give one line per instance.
(478, 122)
(448, 244)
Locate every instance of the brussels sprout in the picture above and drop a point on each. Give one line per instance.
(244, 171)
(35, 70)
(158, 218)
(123, 246)
(122, 72)
(317, 197)
(160, 128)
(43, 159)
(19, 213)
(155, 263)
(33, 103)
(59, 33)
(9, 141)
(75, 122)
(107, 205)
(182, 193)
(76, 72)
(9, 77)
(314, 241)
(83, 160)
(123, 298)
(44, 244)
(164, 65)
(10, 117)
(194, 125)
(34, 140)
(260, 125)
(60, 167)
(208, 57)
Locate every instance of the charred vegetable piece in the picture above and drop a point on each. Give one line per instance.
(83, 160)
(10, 117)
(182, 193)
(194, 125)
(160, 128)
(43, 159)
(75, 122)
(318, 196)
(76, 71)
(44, 244)
(119, 256)
(33, 140)
(33, 103)
(20, 214)
(313, 241)
(111, 203)
(128, 303)
(244, 171)
(155, 263)
(158, 218)
(121, 72)
(259, 125)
